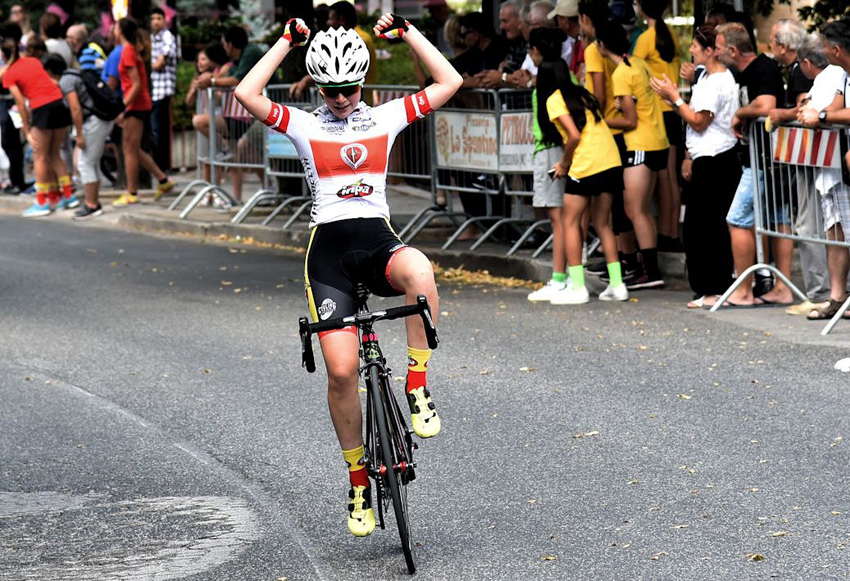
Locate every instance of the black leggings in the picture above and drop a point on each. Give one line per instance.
(708, 247)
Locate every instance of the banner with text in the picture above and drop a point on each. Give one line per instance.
(516, 142)
(467, 141)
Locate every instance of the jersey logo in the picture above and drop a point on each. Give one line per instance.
(354, 155)
(357, 190)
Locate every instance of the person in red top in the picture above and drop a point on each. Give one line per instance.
(45, 122)
(136, 116)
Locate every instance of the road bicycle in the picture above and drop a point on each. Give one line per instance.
(388, 443)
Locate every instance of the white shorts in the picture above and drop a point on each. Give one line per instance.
(836, 207)
(548, 193)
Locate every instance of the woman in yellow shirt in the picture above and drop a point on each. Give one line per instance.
(659, 47)
(593, 171)
(646, 144)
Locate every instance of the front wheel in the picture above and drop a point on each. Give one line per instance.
(388, 458)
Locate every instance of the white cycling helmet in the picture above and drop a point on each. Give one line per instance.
(337, 57)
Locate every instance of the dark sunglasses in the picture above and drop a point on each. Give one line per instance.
(703, 39)
(345, 91)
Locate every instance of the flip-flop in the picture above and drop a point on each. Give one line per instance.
(731, 305)
(767, 303)
(697, 303)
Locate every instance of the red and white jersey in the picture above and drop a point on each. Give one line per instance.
(345, 160)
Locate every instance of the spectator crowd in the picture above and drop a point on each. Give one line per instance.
(643, 150)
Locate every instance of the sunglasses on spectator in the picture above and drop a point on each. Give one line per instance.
(703, 39)
(332, 92)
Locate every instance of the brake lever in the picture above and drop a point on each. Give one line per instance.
(427, 322)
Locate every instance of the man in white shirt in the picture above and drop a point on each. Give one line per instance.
(533, 16)
(565, 15)
(826, 103)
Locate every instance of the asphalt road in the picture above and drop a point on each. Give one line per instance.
(155, 424)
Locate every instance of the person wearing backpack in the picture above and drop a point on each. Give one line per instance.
(92, 131)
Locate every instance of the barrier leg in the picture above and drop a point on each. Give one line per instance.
(525, 235)
(493, 229)
(431, 218)
(416, 219)
(838, 316)
(546, 244)
(192, 185)
(283, 206)
(466, 225)
(215, 190)
(297, 213)
(252, 203)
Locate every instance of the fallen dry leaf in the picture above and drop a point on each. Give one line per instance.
(755, 557)
(658, 555)
(780, 534)
(550, 558)
(586, 434)
(528, 369)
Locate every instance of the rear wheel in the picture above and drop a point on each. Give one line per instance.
(392, 478)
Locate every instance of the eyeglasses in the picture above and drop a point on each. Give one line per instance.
(345, 90)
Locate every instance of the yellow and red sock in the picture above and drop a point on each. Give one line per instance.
(356, 468)
(41, 191)
(65, 186)
(417, 367)
(53, 193)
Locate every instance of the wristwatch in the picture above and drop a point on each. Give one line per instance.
(822, 116)
(212, 81)
(504, 78)
(679, 102)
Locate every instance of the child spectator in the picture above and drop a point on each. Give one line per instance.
(137, 100)
(659, 47)
(544, 49)
(91, 133)
(45, 123)
(591, 164)
(646, 144)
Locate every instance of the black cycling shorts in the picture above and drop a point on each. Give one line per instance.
(342, 254)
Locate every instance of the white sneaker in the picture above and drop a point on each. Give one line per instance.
(615, 293)
(570, 296)
(544, 294)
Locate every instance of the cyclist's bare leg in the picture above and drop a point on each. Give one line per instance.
(411, 272)
(340, 350)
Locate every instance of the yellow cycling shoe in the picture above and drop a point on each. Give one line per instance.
(361, 515)
(423, 413)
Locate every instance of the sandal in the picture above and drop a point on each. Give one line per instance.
(826, 312)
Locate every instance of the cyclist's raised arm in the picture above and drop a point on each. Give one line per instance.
(249, 91)
(446, 79)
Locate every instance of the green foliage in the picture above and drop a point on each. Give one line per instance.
(182, 113)
(398, 69)
(823, 11)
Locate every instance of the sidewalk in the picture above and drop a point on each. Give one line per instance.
(212, 225)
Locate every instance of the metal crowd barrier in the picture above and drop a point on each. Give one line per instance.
(281, 161)
(236, 143)
(794, 166)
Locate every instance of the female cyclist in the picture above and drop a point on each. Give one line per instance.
(646, 143)
(344, 147)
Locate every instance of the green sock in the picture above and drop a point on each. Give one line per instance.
(559, 277)
(615, 274)
(576, 276)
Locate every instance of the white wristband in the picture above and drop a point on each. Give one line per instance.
(679, 102)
